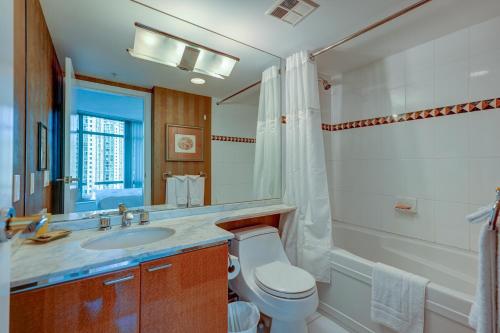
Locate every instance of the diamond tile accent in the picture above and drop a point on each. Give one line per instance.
(483, 105)
(232, 139)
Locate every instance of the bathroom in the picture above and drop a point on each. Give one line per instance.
(265, 166)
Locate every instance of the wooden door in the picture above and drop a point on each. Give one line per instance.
(185, 293)
(106, 303)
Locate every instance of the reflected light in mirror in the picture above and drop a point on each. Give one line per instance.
(157, 46)
(197, 80)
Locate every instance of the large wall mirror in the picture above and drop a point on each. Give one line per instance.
(159, 112)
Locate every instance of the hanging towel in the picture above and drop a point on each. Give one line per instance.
(482, 315)
(398, 299)
(196, 190)
(177, 191)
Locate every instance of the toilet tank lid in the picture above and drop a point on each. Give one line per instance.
(256, 230)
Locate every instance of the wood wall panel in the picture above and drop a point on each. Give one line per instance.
(19, 98)
(43, 103)
(270, 220)
(178, 108)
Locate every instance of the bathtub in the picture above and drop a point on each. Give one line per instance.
(347, 299)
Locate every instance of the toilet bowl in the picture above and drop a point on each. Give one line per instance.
(280, 290)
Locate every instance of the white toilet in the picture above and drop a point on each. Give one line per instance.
(281, 291)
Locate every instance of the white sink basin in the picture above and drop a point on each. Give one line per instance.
(128, 238)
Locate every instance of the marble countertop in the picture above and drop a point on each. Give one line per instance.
(35, 265)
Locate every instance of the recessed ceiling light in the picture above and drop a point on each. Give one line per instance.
(197, 80)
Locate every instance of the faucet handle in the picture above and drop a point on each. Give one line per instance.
(104, 222)
(122, 209)
(144, 218)
(127, 219)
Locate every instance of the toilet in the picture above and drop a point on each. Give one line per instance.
(280, 290)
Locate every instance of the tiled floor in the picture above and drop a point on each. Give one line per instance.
(321, 324)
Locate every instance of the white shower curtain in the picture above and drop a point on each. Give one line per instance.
(306, 233)
(267, 164)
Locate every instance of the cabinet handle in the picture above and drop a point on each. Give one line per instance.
(157, 268)
(118, 280)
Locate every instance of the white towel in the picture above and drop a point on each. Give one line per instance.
(398, 299)
(177, 191)
(196, 190)
(482, 315)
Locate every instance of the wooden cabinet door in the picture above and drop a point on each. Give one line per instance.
(106, 303)
(185, 293)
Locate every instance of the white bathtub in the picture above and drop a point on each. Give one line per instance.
(347, 299)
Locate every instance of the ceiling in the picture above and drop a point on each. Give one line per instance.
(96, 33)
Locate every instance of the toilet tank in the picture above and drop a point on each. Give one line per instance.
(257, 245)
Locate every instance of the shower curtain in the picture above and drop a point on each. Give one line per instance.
(307, 232)
(267, 164)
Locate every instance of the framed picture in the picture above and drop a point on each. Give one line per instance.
(42, 146)
(184, 143)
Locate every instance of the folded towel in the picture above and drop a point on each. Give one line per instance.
(482, 315)
(398, 299)
(177, 191)
(196, 190)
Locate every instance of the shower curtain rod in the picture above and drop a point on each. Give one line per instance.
(344, 40)
(369, 28)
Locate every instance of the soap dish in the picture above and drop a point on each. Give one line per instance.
(50, 236)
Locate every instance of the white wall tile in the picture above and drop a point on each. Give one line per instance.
(452, 178)
(450, 224)
(450, 164)
(420, 178)
(474, 230)
(420, 89)
(484, 134)
(482, 35)
(451, 135)
(484, 177)
(452, 83)
(485, 75)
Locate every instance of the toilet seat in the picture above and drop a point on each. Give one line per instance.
(284, 280)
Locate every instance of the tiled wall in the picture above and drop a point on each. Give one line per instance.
(233, 152)
(450, 164)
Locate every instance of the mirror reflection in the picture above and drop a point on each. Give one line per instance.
(158, 112)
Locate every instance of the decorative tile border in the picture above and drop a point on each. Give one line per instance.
(483, 105)
(232, 139)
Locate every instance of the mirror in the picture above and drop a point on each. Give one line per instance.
(160, 112)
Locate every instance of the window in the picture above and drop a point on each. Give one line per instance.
(101, 166)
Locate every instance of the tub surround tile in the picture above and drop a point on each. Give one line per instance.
(66, 257)
(451, 226)
(432, 135)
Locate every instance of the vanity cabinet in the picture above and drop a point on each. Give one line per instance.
(182, 293)
(185, 293)
(106, 303)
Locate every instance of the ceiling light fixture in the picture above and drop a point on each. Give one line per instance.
(158, 46)
(197, 80)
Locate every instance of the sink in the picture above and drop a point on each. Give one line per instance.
(128, 238)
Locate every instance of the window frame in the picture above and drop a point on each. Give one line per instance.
(126, 142)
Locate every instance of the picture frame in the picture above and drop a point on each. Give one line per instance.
(184, 143)
(42, 147)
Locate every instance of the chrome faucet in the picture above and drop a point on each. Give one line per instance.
(127, 219)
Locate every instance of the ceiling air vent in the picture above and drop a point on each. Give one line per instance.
(292, 11)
